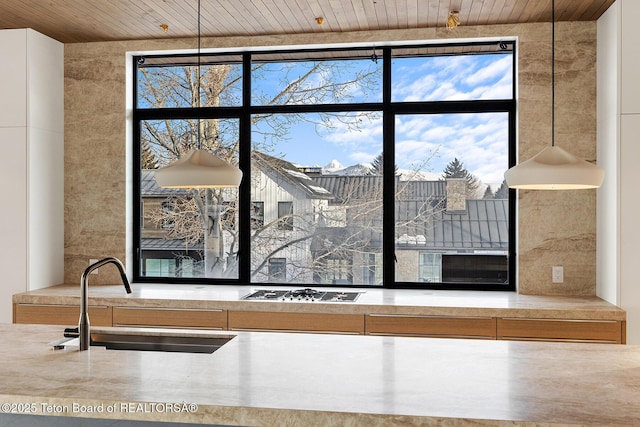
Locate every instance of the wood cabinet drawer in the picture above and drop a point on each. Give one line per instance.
(300, 322)
(610, 331)
(67, 315)
(433, 326)
(176, 318)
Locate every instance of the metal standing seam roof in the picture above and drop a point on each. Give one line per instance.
(151, 244)
(149, 186)
(360, 187)
(422, 221)
(483, 226)
(351, 187)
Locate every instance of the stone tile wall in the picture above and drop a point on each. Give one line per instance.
(555, 228)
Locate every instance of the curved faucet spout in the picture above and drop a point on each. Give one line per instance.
(83, 323)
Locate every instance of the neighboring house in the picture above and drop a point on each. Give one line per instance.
(291, 204)
(349, 236)
(327, 229)
(440, 234)
(285, 209)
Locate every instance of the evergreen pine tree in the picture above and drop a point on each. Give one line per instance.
(502, 192)
(377, 166)
(488, 194)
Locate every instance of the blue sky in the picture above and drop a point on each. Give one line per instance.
(423, 142)
(427, 142)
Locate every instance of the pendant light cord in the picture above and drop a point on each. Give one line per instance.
(198, 103)
(553, 72)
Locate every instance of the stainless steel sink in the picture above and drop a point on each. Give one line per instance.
(174, 342)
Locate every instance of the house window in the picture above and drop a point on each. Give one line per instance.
(278, 269)
(166, 264)
(285, 215)
(481, 268)
(202, 220)
(167, 218)
(390, 161)
(430, 267)
(459, 214)
(371, 271)
(257, 215)
(161, 267)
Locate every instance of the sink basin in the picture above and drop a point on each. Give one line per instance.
(176, 342)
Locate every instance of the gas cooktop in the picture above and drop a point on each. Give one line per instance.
(306, 295)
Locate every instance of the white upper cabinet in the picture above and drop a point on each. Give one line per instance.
(630, 58)
(45, 85)
(13, 81)
(32, 163)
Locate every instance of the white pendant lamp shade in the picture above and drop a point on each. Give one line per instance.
(199, 169)
(554, 169)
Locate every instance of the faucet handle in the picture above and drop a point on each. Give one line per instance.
(125, 282)
(71, 332)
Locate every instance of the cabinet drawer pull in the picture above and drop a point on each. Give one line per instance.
(427, 316)
(293, 330)
(204, 328)
(203, 310)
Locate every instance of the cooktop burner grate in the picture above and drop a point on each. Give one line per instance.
(265, 294)
(306, 294)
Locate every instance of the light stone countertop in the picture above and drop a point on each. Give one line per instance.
(274, 379)
(372, 301)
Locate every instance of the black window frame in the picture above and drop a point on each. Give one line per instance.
(389, 110)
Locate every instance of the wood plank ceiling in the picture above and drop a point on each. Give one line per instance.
(73, 21)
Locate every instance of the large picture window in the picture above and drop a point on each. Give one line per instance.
(362, 166)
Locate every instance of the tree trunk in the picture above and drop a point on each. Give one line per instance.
(213, 243)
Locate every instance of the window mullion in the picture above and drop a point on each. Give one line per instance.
(388, 195)
(244, 253)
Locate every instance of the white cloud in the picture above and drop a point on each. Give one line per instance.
(478, 140)
(417, 155)
(418, 90)
(450, 78)
(362, 157)
(496, 68)
(369, 132)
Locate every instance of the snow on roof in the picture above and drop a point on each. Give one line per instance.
(298, 174)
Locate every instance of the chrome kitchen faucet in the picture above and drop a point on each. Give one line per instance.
(83, 324)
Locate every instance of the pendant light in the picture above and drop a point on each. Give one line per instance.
(199, 168)
(554, 168)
